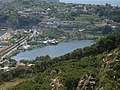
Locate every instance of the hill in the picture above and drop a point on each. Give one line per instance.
(93, 68)
(4, 1)
(44, 0)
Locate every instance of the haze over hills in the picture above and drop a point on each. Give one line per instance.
(112, 2)
(47, 0)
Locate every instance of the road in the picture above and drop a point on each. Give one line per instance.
(5, 52)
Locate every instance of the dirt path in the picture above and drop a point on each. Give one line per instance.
(6, 85)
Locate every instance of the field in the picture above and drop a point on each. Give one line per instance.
(13, 83)
(83, 17)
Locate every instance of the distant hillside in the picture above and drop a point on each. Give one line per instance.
(45, 0)
(4, 1)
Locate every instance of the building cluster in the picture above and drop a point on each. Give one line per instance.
(28, 12)
(50, 22)
(5, 65)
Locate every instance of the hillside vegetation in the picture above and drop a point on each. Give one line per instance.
(93, 68)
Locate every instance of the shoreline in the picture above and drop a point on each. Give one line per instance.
(81, 46)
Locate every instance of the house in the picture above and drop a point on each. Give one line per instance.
(20, 64)
(6, 63)
(1, 63)
(6, 68)
(30, 65)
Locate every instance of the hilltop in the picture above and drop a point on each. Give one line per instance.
(4, 1)
(44, 0)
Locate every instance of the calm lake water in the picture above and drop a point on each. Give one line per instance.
(54, 50)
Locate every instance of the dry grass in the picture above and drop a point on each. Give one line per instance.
(7, 85)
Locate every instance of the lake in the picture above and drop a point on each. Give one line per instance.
(54, 50)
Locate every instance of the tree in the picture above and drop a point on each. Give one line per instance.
(106, 29)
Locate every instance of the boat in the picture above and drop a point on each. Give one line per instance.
(54, 42)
